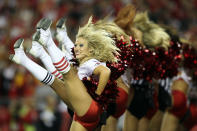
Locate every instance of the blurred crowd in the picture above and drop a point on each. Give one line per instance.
(24, 102)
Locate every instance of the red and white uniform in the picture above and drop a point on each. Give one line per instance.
(87, 68)
(179, 107)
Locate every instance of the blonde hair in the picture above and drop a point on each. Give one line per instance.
(112, 28)
(100, 41)
(153, 34)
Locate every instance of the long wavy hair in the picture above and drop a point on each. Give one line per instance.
(112, 28)
(100, 41)
(153, 34)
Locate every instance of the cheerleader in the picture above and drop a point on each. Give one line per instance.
(178, 108)
(114, 110)
(149, 35)
(72, 91)
(182, 110)
(118, 108)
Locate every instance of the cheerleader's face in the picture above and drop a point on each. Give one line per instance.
(81, 49)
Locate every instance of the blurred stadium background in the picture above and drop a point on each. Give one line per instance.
(26, 104)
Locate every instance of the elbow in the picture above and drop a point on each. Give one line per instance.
(108, 72)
